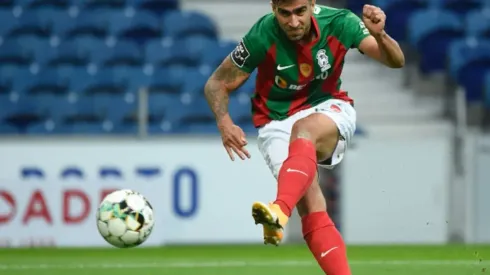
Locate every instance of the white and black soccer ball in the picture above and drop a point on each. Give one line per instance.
(125, 218)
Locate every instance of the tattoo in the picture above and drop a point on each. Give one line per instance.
(226, 79)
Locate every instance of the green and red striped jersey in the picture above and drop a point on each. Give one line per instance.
(293, 77)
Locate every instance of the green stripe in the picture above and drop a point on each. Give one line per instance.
(279, 100)
(316, 94)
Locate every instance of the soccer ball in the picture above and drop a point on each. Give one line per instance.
(125, 218)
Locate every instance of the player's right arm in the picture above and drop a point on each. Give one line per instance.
(225, 79)
(232, 73)
(228, 77)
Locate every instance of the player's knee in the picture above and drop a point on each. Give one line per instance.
(306, 128)
(312, 201)
(321, 130)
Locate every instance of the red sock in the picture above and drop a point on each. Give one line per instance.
(296, 174)
(325, 240)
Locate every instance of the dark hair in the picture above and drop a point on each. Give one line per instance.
(277, 2)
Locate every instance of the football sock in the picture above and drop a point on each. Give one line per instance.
(325, 243)
(296, 175)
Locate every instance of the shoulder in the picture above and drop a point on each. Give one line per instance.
(261, 35)
(264, 29)
(332, 16)
(253, 48)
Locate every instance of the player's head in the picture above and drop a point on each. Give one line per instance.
(294, 16)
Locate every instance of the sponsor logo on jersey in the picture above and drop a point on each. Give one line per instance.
(322, 58)
(305, 69)
(283, 84)
(240, 54)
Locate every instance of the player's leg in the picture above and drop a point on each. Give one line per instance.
(320, 233)
(319, 136)
(312, 201)
(273, 142)
(327, 131)
(296, 174)
(295, 143)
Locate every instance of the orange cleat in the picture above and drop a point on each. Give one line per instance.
(273, 220)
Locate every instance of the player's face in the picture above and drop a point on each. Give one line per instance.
(294, 17)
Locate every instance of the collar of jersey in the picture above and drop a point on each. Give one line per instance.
(317, 30)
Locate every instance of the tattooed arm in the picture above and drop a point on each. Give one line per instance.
(226, 79)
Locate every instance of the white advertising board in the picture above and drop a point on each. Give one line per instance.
(480, 188)
(49, 190)
(395, 190)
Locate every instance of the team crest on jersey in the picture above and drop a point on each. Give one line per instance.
(305, 69)
(335, 108)
(240, 54)
(317, 10)
(322, 58)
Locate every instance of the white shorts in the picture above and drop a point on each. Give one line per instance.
(273, 139)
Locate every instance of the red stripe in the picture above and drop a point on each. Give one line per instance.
(301, 97)
(330, 84)
(264, 84)
(304, 57)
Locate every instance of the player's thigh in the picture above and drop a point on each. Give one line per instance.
(273, 143)
(343, 116)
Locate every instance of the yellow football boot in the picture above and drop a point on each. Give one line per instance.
(273, 220)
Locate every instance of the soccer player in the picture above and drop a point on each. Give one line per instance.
(303, 118)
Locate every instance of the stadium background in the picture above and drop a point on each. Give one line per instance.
(99, 95)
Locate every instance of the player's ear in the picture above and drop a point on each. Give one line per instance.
(313, 3)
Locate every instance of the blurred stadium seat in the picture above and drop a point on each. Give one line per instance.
(156, 6)
(460, 7)
(84, 62)
(486, 102)
(75, 66)
(478, 23)
(430, 32)
(450, 37)
(470, 60)
(8, 22)
(399, 12)
(180, 24)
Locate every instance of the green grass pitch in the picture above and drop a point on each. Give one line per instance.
(243, 260)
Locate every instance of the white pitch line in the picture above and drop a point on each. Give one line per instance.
(224, 264)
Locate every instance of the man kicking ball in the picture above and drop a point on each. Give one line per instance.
(304, 119)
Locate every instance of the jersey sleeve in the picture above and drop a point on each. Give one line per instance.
(354, 30)
(250, 52)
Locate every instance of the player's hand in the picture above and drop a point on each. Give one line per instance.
(374, 18)
(234, 139)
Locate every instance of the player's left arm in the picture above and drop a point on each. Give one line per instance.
(379, 45)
